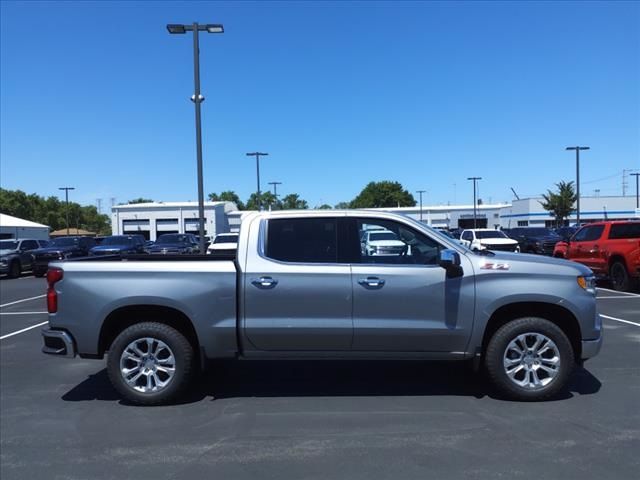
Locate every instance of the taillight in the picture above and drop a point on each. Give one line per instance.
(54, 275)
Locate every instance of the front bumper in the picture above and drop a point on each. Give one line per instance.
(591, 348)
(58, 342)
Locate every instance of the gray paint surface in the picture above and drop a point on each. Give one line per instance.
(322, 308)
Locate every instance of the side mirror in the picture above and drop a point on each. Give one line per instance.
(450, 261)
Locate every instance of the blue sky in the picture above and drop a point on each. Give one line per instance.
(95, 95)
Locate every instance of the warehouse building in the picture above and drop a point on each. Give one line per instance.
(16, 228)
(154, 219)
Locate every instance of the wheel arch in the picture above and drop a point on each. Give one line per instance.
(123, 317)
(560, 316)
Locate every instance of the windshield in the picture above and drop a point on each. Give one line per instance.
(226, 239)
(64, 242)
(117, 240)
(537, 232)
(172, 238)
(382, 236)
(7, 245)
(490, 234)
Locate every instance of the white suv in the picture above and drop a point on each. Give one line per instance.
(488, 239)
(381, 242)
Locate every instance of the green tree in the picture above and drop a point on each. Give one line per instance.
(383, 194)
(342, 205)
(267, 199)
(560, 203)
(324, 206)
(227, 196)
(52, 212)
(140, 200)
(294, 202)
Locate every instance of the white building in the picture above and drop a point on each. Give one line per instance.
(154, 219)
(528, 212)
(14, 227)
(454, 216)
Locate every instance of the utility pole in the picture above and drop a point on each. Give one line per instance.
(475, 206)
(637, 197)
(66, 195)
(258, 155)
(421, 192)
(197, 99)
(577, 149)
(275, 189)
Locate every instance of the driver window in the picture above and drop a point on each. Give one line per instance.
(387, 242)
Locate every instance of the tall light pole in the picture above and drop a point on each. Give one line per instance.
(421, 192)
(577, 149)
(275, 189)
(258, 155)
(637, 194)
(197, 99)
(475, 203)
(66, 199)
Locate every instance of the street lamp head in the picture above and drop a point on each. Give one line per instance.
(176, 28)
(215, 28)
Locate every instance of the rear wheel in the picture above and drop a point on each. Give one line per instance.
(529, 359)
(150, 363)
(619, 276)
(14, 269)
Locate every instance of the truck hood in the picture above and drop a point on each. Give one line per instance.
(41, 251)
(111, 248)
(386, 243)
(497, 241)
(7, 252)
(158, 247)
(223, 246)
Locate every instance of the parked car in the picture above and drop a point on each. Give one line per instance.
(535, 239)
(16, 256)
(488, 239)
(223, 243)
(119, 245)
(301, 287)
(611, 249)
(380, 242)
(61, 249)
(565, 232)
(175, 244)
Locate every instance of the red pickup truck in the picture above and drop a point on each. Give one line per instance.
(610, 249)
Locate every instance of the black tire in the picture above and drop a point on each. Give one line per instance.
(15, 269)
(497, 351)
(179, 346)
(39, 274)
(619, 277)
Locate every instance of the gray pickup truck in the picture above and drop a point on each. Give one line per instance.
(301, 286)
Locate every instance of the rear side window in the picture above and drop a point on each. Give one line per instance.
(29, 245)
(589, 234)
(624, 230)
(302, 240)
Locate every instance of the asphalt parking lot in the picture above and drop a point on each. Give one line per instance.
(60, 418)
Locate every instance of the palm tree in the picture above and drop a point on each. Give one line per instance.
(560, 203)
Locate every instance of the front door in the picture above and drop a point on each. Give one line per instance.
(584, 247)
(402, 300)
(297, 294)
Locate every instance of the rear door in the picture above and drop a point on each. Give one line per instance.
(403, 302)
(26, 249)
(297, 295)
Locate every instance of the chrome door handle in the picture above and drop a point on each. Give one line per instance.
(371, 282)
(264, 282)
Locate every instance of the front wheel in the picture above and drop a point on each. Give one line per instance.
(150, 363)
(529, 359)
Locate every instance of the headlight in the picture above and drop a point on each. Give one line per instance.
(587, 283)
(3, 261)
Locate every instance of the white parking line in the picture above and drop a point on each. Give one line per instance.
(20, 301)
(23, 330)
(619, 293)
(620, 320)
(23, 313)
